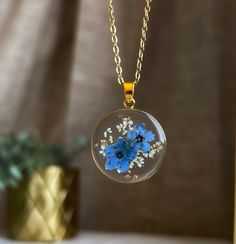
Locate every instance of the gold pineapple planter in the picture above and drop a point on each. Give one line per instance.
(44, 206)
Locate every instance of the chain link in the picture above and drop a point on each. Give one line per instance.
(142, 43)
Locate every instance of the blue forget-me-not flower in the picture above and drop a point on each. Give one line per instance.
(119, 155)
(140, 138)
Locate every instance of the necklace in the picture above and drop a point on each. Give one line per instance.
(128, 145)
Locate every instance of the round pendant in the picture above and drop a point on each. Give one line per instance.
(128, 145)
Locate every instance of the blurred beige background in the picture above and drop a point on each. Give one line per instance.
(57, 76)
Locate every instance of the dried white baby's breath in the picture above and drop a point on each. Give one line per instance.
(102, 152)
(111, 140)
(126, 125)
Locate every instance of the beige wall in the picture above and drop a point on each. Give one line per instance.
(57, 76)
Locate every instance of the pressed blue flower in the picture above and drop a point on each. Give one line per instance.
(119, 155)
(140, 138)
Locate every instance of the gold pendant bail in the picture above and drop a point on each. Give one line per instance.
(129, 101)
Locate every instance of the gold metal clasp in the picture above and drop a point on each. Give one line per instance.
(129, 101)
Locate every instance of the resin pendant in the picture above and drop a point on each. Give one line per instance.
(128, 145)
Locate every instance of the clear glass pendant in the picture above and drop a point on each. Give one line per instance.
(128, 145)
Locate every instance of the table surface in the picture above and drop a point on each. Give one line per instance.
(121, 238)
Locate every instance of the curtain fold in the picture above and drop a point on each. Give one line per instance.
(57, 76)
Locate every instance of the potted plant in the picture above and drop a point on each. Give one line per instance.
(41, 188)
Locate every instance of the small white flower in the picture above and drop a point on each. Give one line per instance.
(145, 155)
(130, 122)
(131, 165)
(102, 153)
(151, 154)
(127, 176)
(125, 123)
(111, 139)
(139, 165)
(140, 160)
(135, 177)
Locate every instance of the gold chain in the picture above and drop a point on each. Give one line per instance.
(114, 39)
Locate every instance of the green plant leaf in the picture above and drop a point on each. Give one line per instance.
(15, 172)
(24, 153)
